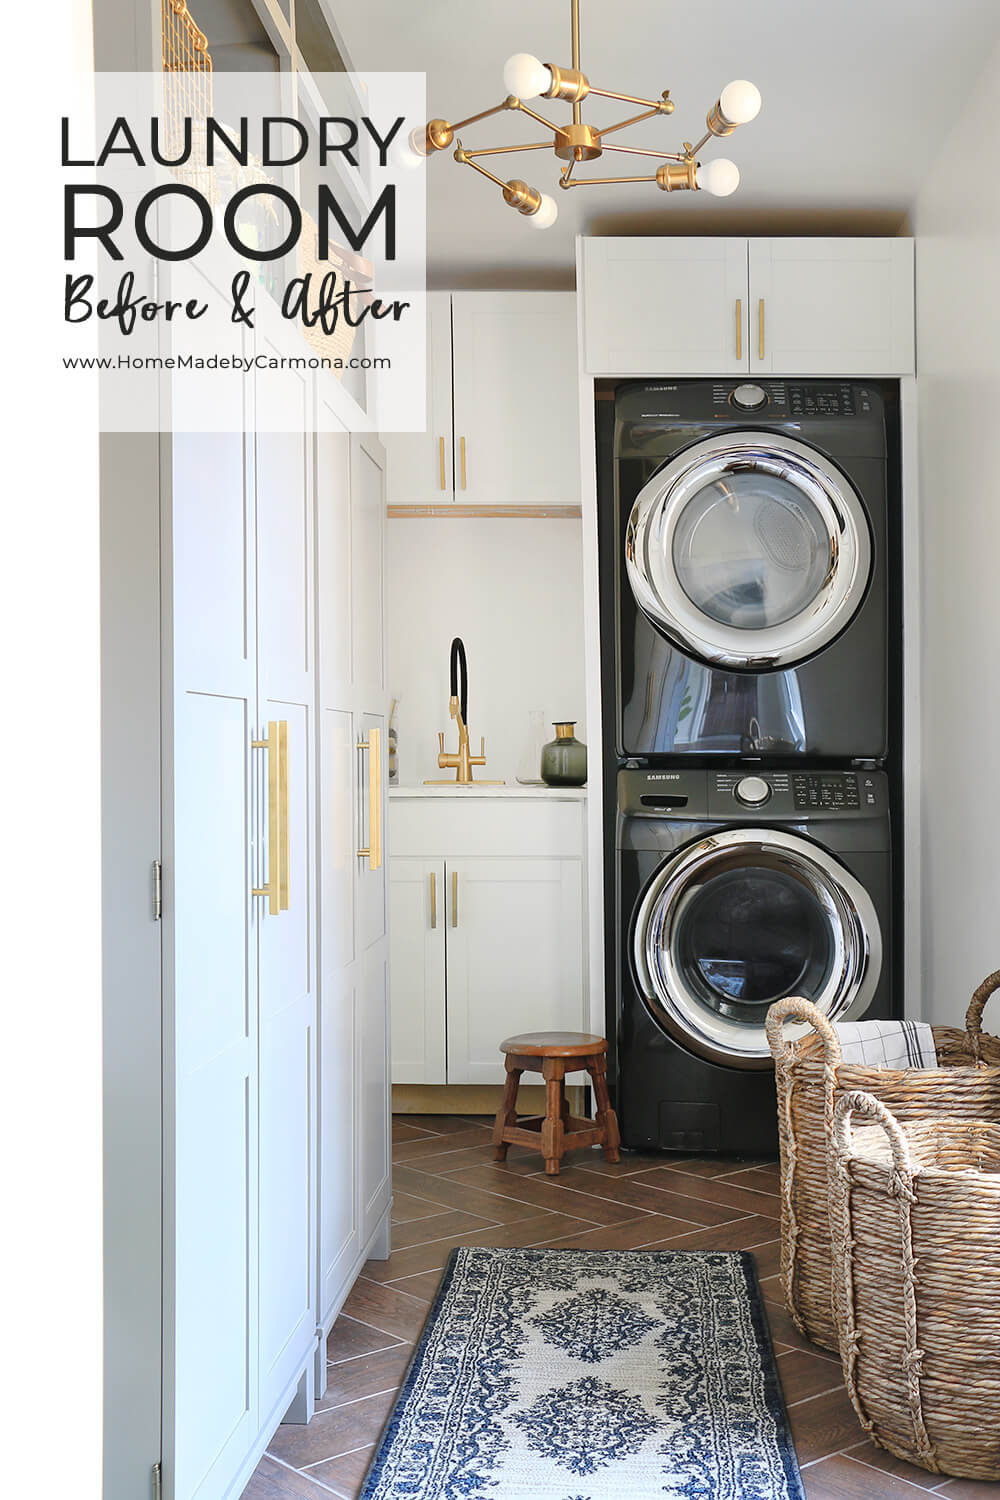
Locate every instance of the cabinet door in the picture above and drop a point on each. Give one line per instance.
(210, 977)
(416, 957)
(831, 306)
(374, 1091)
(288, 990)
(516, 398)
(515, 957)
(665, 306)
(420, 468)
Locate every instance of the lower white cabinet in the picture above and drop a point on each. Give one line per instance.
(487, 928)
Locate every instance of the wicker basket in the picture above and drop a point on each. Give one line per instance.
(810, 1077)
(915, 1215)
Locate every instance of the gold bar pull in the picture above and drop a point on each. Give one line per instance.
(461, 447)
(739, 328)
(441, 459)
(760, 328)
(276, 839)
(454, 898)
(373, 744)
(434, 900)
(283, 814)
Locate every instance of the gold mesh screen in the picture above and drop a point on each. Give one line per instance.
(187, 88)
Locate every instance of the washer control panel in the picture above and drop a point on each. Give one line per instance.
(750, 793)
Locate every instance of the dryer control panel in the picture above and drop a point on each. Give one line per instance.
(749, 794)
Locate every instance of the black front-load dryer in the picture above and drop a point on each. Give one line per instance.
(735, 889)
(744, 538)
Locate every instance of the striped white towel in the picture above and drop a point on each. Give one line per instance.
(887, 1044)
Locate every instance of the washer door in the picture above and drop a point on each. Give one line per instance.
(749, 551)
(743, 918)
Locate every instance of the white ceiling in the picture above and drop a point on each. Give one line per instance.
(858, 97)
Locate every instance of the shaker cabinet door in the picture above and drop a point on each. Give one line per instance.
(420, 464)
(516, 399)
(656, 307)
(831, 307)
(515, 957)
(416, 963)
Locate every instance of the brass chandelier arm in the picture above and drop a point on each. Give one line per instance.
(463, 156)
(509, 103)
(520, 104)
(647, 114)
(656, 105)
(499, 150)
(643, 151)
(600, 181)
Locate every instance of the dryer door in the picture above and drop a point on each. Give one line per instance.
(743, 918)
(749, 550)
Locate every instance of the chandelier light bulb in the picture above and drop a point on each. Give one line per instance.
(720, 177)
(740, 102)
(546, 213)
(525, 76)
(406, 150)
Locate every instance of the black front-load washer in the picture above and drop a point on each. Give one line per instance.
(735, 889)
(746, 539)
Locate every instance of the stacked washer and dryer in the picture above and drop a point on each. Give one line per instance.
(747, 624)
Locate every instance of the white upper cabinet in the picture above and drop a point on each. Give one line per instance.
(421, 466)
(805, 307)
(516, 398)
(831, 307)
(502, 420)
(665, 306)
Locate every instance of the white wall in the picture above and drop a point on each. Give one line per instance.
(956, 220)
(512, 589)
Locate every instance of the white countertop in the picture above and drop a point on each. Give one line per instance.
(482, 789)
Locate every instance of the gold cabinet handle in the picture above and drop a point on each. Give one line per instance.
(454, 898)
(739, 328)
(373, 744)
(461, 449)
(441, 459)
(760, 328)
(276, 746)
(434, 900)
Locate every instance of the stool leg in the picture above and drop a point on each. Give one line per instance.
(606, 1117)
(563, 1104)
(553, 1071)
(507, 1113)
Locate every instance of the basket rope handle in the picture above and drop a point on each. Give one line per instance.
(974, 1014)
(901, 1187)
(796, 1008)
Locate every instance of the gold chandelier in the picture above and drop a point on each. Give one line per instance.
(525, 77)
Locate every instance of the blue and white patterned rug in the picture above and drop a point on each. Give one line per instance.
(590, 1375)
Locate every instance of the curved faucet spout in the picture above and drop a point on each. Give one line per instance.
(458, 660)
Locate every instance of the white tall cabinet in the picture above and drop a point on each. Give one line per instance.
(276, 1089)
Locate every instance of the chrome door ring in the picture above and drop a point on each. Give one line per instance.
(654, 518)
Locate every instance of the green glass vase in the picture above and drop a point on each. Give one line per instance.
(564, 759)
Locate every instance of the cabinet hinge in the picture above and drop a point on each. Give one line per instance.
(157, 1481)
(157, 894)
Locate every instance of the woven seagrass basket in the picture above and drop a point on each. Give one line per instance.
(915, 1217)
(810, 1077)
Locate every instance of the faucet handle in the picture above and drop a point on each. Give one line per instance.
(480, 759)
(440, 742)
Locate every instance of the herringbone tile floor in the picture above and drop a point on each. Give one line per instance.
(448, 1192)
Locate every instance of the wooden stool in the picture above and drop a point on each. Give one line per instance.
(554, 1054)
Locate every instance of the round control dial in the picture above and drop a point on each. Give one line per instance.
(749, 397)
(752, 791)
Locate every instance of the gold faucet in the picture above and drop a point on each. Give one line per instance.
(458, 707)
(463, 762)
